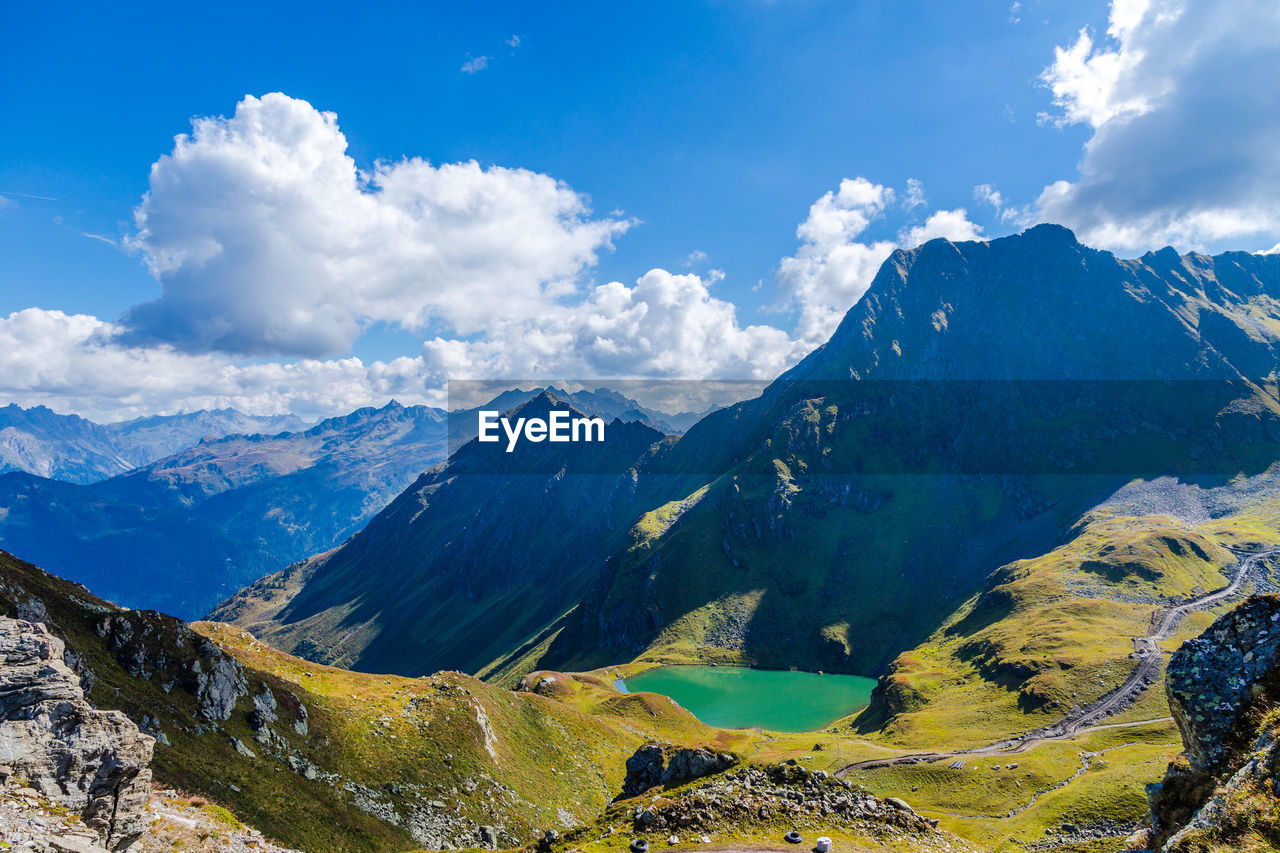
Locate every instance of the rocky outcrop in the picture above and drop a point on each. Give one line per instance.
(783, 795)
(91, 762)
(1221, 686)
(664, 764)
(151, 646)
(1215, 677)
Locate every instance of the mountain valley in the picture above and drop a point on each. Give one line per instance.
(1027, 538)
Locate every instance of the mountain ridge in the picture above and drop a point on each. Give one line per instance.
(760, 512)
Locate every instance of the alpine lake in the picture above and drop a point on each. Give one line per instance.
(736, 697)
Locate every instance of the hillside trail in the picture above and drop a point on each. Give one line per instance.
(1078, 721)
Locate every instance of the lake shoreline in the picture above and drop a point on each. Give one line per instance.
(746, 697)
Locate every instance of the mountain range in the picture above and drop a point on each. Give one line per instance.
(75, 450)
(968, 410)
(1015, 479)
(182, 532)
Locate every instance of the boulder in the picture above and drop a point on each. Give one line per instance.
(667, 765)
(87, 761)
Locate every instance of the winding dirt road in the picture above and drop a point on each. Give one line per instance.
(1078, 720)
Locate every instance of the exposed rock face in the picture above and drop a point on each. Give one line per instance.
(1220, 686)
(1214, 677)
(663, 764)
(149, 646)
(91, 762)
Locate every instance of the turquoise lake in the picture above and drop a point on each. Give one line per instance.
(735, 697)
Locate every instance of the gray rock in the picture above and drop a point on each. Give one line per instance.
(1210, 678)
(220, 682)
(69, 844)
(264, 708)
(899, 804)
(242, 749)
(91, 762)
(488, 838)
(664, 764)
(300, 724)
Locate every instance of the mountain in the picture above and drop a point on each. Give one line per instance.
(75, 450)
(603, 402)
(295, 493)
(184, 532)
(330, 761)
(977, 401)
(158, 436)
(475, 558)
(974, 404)
(62, 447)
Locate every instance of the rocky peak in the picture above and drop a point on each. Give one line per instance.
(93, 763)
(1040, 305)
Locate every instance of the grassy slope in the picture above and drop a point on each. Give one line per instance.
(1047, 633)
(374, 732)
(1044, 634)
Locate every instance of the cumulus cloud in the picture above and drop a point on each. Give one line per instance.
(664, 326)
(951, 225)
(988, 194)
(267, 239)
(832, 268)
(1185, 113)
(475, 64)
(76, 363)
(835, 264)
(667, 326)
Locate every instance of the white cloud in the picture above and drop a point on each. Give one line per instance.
(75, 363)
(951, 225)
(1185, 114)
(475, 64)
(514, 41)
(666, 325)
(915, 195)
(267, 239)
(834, 266)
(988, 194)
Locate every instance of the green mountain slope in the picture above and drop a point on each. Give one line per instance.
(977, 401)
(968, 411)
(473, 561)
(325, 759)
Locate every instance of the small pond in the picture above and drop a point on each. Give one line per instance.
(735, 697)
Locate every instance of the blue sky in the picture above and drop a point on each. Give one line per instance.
(702, 133)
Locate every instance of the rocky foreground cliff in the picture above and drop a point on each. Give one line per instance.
(1223, 793)
(92, 763)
